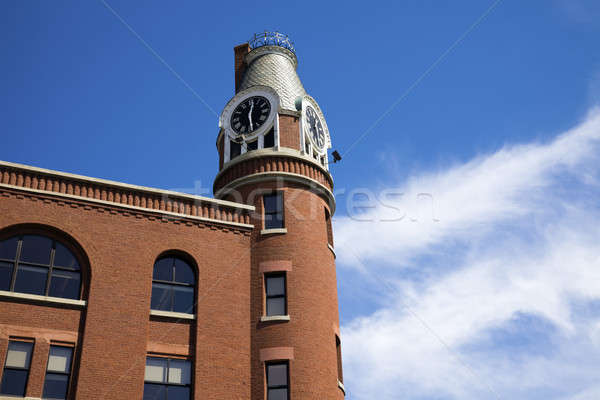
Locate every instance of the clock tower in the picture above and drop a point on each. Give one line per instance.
(272, 142)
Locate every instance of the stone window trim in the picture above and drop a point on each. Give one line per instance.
(169, 350)
(172, 315)
(274, 231)
(34, 298)
(276, 354)
(274, 266)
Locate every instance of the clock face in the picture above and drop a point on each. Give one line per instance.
(250, 114)
(315, 127)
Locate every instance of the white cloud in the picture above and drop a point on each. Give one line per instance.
(518, 236)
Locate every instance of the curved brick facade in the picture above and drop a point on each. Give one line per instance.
(312, 295)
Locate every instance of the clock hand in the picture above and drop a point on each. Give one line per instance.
(250, 114)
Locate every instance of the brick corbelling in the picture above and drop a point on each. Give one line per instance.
(273, 164)
(95, 190)
(5, 192)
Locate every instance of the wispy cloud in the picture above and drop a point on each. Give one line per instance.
(508, 266)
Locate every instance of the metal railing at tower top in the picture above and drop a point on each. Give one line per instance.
(271, 38)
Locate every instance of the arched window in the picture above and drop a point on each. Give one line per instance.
(37, 264)
(173, 283)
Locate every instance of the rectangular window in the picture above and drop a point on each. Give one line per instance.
(273, 204)
(16, 368)
(278, 381)
(235, 149)
(338, 348)
(276, 301)
(328, 227)
(270, 139)
(58, 372)
(167, 379)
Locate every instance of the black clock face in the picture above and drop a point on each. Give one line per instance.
(250, 114)
(315, 127)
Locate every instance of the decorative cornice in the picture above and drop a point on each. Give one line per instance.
(270, 152)
(79, 189)
(261, 177)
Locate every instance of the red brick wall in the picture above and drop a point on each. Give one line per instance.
(122, 246)
(311, 291)
(289, 134)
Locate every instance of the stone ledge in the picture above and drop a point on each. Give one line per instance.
(42, 299)
(274, 231)
(271, 318)
(171, 314)
(127, 206)
(330, 247)
(342, 388)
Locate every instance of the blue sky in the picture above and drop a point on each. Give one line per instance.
(485, 284)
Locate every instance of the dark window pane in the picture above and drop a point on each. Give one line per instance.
(275, 286)
(184, 299)
(183, 272)
(14, 382)
(154, 391)
(277, 394)
(64, 284)
(270, 139)
(271, 203)
(252, 145)
(31, 280)
(64, 258)
(5, 275)
(277, 375)
(36, 249)
(235, 149)
(163, 269)
(273, 221)
(276, 306)
(178, 393)
(8, 248)
(55, 386)
(161, 297)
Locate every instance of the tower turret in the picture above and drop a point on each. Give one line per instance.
(273, 141)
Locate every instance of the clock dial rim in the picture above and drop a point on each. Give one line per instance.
(269, 107)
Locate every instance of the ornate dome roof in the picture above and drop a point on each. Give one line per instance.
(274, 66)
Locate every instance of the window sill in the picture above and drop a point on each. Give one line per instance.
(270, 318)
(342, 388)
(170, 314)
(42, 299)
(17, 397)
(330, 247)
(273, 231)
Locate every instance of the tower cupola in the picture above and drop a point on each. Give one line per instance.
(271, 125)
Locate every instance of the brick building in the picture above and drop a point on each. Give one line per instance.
(116, 291)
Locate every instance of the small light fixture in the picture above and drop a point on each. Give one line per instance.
(336, 156)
